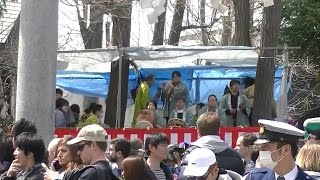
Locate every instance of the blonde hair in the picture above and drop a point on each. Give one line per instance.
(308, 157)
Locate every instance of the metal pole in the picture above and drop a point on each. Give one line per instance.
(118, 121)
(283, 111)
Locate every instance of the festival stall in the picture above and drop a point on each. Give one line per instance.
(205, 71)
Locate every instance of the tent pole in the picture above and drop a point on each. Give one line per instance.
(283, 105)
(118, 121)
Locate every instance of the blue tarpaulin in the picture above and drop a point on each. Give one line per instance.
(201, 80)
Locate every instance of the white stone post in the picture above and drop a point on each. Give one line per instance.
(37, 58)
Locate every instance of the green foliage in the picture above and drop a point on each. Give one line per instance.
(301, 27)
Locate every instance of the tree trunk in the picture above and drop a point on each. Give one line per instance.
(92, 36)
(111, 107)
(204, 34)
(176, 25)
(121, 28)
(242, 23)
(158, 34)
(120, 37)
(226, 26)
(266, 64)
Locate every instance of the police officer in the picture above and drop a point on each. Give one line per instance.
(312, 126)
(279, 147)
(313, 137)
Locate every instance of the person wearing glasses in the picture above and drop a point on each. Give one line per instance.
(92, 145)
(213, 106)
(203, 166)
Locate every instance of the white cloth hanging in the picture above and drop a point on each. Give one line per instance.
(222, 9)
(266, 3)
(157, 5)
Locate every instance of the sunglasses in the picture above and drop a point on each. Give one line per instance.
(81, 146)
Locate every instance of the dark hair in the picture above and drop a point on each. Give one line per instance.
(96, 108)
(135, 144)
(155, 140)
(175, 149)
(121, 145)
(248, 81)
(87, 111)
(233, 82)
(294, 147)
(212, 95)
(31, 143)
(200, 105)
(208, 124)
(135, 168)
(177, 73)
(149, 77)
(75, 108)
(90, 108)
(59, 91)
(6, 149)
(23, 126)
(249, 139)
(61, 102)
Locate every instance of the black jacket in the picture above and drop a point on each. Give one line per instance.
(35, 173)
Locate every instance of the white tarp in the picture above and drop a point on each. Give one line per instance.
(99, 60)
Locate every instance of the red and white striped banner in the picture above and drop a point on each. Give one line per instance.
(175, 135)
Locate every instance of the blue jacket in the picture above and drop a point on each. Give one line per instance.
(268, 174)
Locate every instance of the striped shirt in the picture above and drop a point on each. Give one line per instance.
(159, 174)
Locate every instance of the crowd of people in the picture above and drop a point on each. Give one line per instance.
(69, 116)
(275, 154)
(278, 153)
(234, 109)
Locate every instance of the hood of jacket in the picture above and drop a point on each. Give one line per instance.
(212, 142)
(229, 175)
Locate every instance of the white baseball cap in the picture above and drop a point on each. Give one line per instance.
(199, 161)
(92, 133)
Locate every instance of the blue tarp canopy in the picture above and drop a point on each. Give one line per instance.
(212, 80)
(87, 72)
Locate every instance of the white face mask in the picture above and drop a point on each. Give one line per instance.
(180, 110)
(266, 159)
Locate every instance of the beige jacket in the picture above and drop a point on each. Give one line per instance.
(249, 92)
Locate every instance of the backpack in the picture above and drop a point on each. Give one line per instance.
(75, 175)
